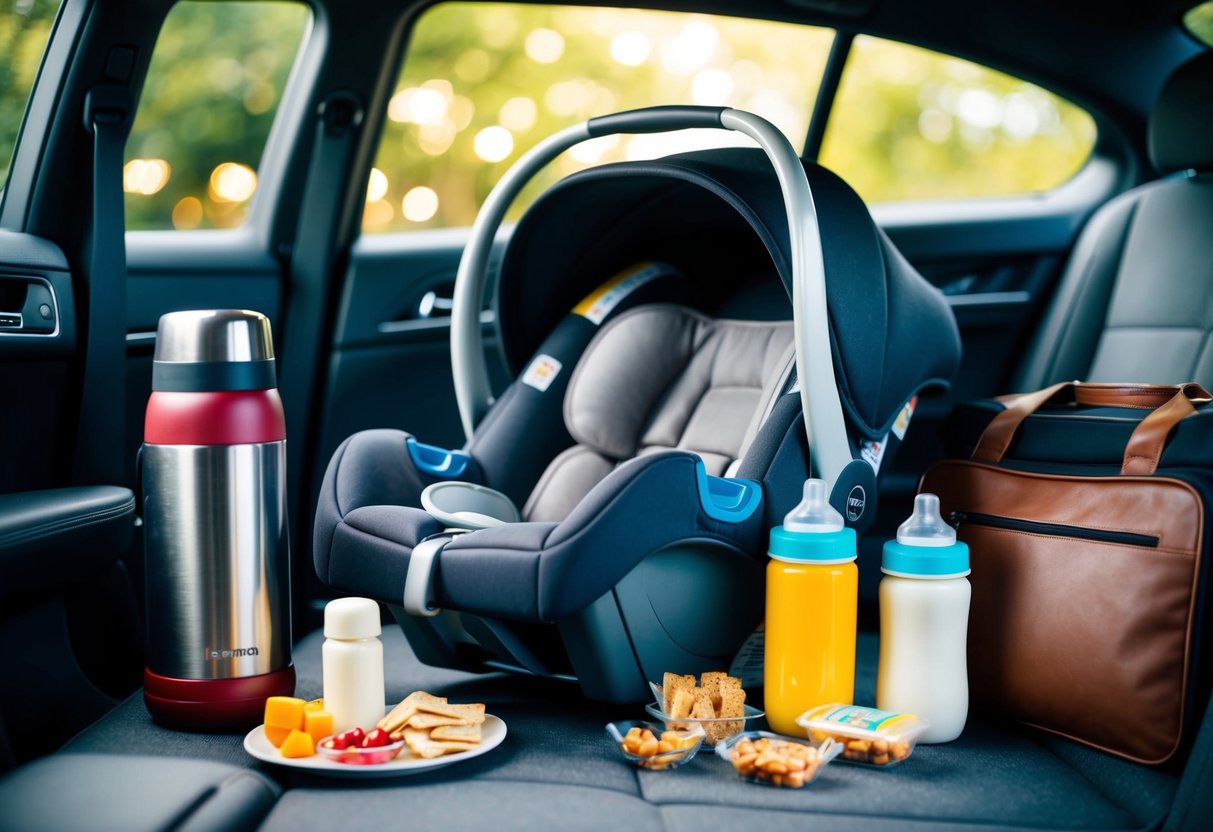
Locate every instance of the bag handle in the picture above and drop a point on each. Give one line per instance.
(1170, 403)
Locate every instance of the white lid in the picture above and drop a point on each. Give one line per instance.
(814, 513)
(925, 526)
(351, 618)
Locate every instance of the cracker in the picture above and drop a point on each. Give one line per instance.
(432, 721)
(395, 721)
(419, 743)
(468, 714)
(457, 733)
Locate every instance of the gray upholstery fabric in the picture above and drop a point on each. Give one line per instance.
(1135, 303)
(69, 792)
(557, 755)
(1181, 124)
(1160, 321)
(661, 377)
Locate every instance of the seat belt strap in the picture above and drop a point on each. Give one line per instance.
(100, 435)
(317, 237)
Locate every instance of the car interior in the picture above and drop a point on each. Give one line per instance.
(537, 317)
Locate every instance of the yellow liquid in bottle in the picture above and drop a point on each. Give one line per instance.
(810, 639)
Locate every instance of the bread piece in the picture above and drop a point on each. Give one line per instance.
(395, 721)
(671, 683)
(713, 682)
(467, 714)
(457, 733)
(703, 708)
(732, 704)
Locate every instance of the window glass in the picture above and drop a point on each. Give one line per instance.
(1199, 21)
(25, 27)
(483, 82)
(215, 80)
(913, 124)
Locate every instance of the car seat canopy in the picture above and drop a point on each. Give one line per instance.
(720, 214)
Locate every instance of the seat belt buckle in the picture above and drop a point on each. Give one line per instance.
(106, 104)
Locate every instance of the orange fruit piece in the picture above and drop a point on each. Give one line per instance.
(298, 744)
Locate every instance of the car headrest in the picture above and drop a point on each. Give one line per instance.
(1181, 124)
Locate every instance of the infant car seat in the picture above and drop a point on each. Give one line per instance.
(657, 431)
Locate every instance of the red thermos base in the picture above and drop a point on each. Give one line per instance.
(214, 703)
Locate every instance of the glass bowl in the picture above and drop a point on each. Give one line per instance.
(782, 767)
(360, 756)
(716, 729)
(692, 740)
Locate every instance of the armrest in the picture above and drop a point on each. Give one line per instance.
(49, 539)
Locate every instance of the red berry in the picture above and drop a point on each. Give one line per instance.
(346, 739)
(376, 738)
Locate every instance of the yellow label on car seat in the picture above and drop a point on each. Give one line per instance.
(599, 303)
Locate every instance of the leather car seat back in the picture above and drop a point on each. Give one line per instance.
(1136, 300)
(657, 378)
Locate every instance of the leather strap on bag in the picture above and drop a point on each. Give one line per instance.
(1171, 403)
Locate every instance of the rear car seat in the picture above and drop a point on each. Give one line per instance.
(1136, 299)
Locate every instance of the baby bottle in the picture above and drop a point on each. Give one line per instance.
(352, 658)
(924, 619)
(812, 593)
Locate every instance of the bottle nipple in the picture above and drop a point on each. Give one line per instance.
(925, 526)
(814, 513)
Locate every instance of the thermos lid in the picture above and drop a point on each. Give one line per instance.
(351, 618)
(213, 350)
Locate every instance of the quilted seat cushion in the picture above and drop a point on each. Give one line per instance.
(662, 377)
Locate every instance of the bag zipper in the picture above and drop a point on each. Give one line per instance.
(1053, 529)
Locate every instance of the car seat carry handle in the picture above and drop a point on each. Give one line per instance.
(1170, 403)
(828, 439)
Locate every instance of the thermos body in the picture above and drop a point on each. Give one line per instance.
(217, 584)
(215, 523)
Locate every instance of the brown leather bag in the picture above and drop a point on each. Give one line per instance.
(1085, 588)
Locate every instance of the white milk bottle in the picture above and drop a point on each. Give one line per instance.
(352, 658)
(924, 619)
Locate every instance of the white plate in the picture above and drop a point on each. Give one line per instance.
(255, 743)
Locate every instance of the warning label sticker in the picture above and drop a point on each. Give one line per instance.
(542, 372)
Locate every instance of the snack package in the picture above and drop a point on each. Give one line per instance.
(867, 736)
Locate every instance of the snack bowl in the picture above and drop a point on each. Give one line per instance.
(867, 736)
(360, 756)
(692, 741)
(720, 726)
(776, 760)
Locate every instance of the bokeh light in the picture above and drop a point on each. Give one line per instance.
(187, 213)
(493, 144)
(420, 204)
(232, 182)
(145, 176)
(376, 185)
(544, 46)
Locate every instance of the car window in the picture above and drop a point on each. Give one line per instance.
(25, 27)
(911, 124)
(216, 77)
(1199, 21)
(483, 82)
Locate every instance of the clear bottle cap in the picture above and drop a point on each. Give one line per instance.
(814, 513)
(925, 526)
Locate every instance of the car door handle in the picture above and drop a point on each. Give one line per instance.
(435, 305)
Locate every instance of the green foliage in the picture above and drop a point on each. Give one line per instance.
(25, 26)
(212, 89)
(482, 82)
(1199, 21)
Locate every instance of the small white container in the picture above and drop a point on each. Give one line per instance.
(353, 664)
(924, 619)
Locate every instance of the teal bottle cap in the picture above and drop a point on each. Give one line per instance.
(814, 547)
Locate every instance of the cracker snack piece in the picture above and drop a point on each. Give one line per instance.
(457, 733)
(419, 743)
(395, 721)
(467, 714)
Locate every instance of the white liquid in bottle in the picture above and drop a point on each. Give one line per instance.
(924, 619)
(353, 664)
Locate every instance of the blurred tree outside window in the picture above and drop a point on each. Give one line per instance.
(911, 124)
(484, 82)
(1199, 21)
(216, 77)
(25, 27)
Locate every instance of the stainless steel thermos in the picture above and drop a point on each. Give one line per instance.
(215, 525)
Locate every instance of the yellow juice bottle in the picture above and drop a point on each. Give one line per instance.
(812, 595)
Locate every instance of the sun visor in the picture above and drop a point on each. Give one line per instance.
(715, 214)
